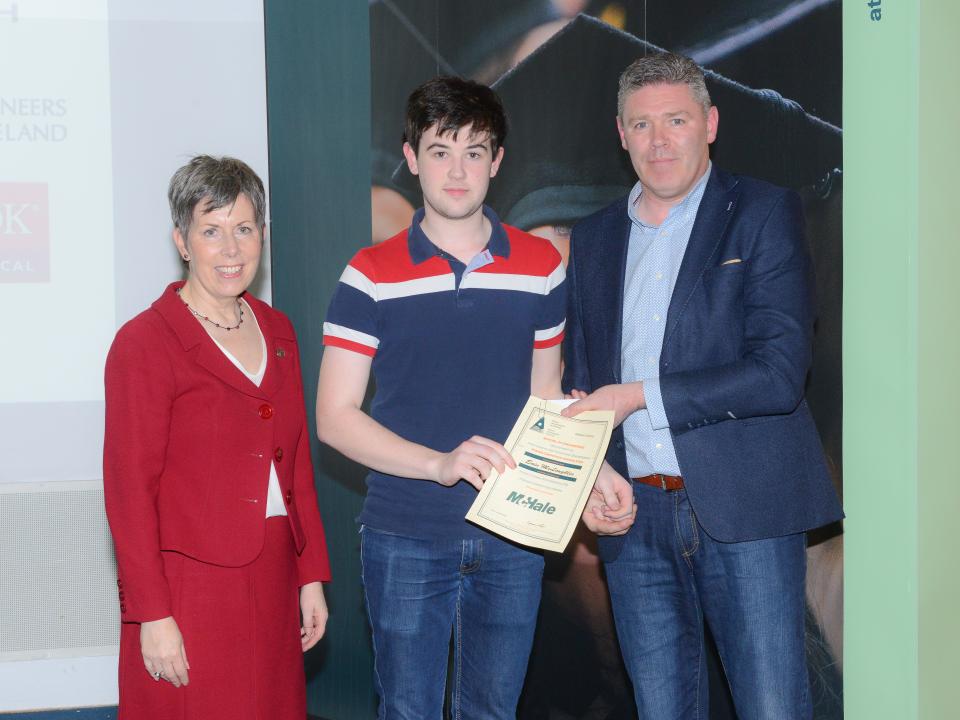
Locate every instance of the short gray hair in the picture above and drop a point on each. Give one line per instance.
(660, 68)
(217, 181)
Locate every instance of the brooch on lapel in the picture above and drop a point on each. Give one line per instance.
(281, 352)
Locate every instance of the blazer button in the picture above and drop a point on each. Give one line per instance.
(265, 411)
(123, 608)
(120, 595)
(278, 454)
(289, 496)
(119, 583)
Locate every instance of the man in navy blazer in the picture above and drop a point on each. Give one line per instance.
(691, 316)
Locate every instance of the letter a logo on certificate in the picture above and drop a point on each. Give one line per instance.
(539, 503)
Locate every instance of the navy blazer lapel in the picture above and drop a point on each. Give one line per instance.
(716, 208)
(614, 243)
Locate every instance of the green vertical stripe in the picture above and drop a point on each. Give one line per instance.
(880, 361)
(938, 370)
(318, 99)
(901, 358)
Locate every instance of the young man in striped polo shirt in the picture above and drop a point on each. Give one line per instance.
(460, 318)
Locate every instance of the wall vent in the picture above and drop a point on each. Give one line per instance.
(58, 581)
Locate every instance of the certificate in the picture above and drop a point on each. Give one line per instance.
(539, 503)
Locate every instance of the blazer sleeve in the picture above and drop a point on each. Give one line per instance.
(575, 371)
(778, 309)
(313, 563)
(139, 393)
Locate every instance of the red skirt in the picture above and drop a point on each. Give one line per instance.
(241, 633)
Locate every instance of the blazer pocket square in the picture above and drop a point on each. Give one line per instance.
(731, 261)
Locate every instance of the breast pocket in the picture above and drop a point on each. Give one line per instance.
(724, 278)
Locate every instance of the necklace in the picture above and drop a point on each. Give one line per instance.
(214, 322)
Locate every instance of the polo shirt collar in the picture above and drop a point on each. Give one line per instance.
(421, 249)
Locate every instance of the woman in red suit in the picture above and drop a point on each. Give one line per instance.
(208, 479)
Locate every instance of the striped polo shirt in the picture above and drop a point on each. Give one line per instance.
(452, 348)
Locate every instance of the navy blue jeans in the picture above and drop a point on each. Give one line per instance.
(670, 576)
(484, 592)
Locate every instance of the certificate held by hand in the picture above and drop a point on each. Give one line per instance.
(539, 502)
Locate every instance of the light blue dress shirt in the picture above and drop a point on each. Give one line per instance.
(654, 255)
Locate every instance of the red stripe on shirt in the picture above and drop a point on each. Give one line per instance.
(549, 342)
(334, 341)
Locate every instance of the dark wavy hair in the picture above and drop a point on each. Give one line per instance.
(453, 103)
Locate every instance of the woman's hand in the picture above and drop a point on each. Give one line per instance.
(163, 652)
(313, 609)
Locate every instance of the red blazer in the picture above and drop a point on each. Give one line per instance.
(187, 452)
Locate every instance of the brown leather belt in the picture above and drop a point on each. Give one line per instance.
(664, 482)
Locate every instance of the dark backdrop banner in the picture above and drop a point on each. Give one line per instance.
(775, 75)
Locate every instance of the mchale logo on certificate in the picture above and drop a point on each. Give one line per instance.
(539, 503)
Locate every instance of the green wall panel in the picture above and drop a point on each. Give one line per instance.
(901, 358)
(318, 96)
(938, 370)
(880, 362)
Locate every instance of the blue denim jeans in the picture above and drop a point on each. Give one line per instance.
(484, 592)
(670, 576)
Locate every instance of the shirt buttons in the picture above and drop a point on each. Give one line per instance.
(265, 411)
(659, 276)
(659, 446)
(278, 454)
(656, 317)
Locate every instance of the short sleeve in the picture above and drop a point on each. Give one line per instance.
(352, 316)
(552, 317)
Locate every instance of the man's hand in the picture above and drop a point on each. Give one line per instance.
(610, 509)
(313, 610)
(472, 460)
(162, 646)
(623, 399)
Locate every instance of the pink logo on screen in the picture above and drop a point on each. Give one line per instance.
(24, 233)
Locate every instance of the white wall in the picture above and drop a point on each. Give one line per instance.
(101, 100)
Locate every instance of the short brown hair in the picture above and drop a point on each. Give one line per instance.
(660, 68)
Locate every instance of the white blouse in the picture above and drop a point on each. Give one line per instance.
(275, 506)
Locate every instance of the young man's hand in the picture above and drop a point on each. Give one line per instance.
(472, 460)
